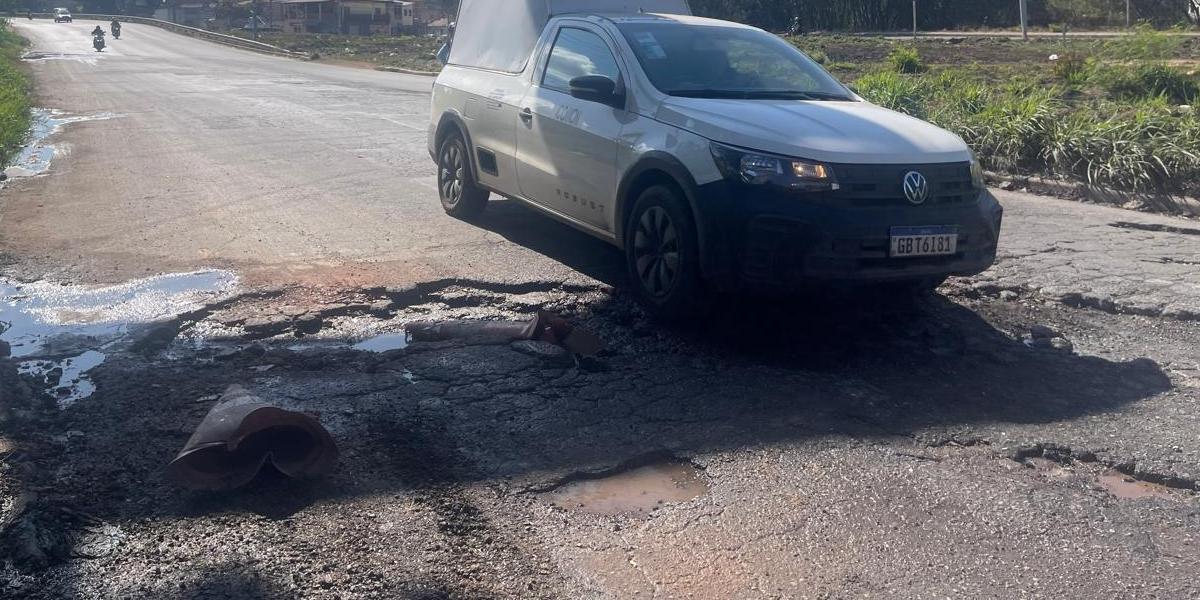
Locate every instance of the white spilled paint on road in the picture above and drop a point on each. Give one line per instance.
(35, 157)
(68, 377)
(88, 58)
(48, 319)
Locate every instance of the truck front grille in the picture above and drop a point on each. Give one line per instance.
(883, 185)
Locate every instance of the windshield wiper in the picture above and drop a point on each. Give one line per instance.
(757, 94)
(708, 93)
(793, 95)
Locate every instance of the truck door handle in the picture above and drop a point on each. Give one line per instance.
(527, 116)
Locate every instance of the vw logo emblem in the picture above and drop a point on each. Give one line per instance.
(916, 187)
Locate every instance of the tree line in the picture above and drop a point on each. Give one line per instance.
(893, 15)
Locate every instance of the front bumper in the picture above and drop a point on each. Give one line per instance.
(773, 238)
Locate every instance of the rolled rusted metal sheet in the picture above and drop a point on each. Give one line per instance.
(545, 327)
(472, 332)
(242, 434)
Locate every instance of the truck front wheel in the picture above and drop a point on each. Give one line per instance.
(461, 197)
(663, 255)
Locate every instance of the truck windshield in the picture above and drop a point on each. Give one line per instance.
(705, 61)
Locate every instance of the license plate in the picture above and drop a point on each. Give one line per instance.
(939, 240)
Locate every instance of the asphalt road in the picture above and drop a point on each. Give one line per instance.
(282, 169)
(801, 448)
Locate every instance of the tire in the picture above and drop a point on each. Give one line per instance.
(461, 197)
(663, 255)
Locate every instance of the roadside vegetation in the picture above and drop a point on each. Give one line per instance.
(406, 52)
(1121, 113)
(14, 94)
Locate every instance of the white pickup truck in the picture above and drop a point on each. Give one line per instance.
(716, 155)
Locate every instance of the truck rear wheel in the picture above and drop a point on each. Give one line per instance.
(461, 197)
(663, 255)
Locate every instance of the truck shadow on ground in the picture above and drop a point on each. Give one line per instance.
(583, 253)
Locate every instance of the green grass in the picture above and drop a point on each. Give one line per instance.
(1147, 143)
(1145, 44)
(14, 94)
(1121, 113)
(1147, 81)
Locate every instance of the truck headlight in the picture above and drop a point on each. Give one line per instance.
(976, 173)
(756, 168)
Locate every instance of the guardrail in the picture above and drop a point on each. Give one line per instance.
(204, 34)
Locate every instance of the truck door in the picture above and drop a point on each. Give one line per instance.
(491, 115)
(567, 147)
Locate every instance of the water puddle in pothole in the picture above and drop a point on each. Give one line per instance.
(636, 490)
(47, 319)
(385, 342)
(35, 157)
(68, 377)
(1125, 487)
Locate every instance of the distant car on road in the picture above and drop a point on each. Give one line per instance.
(62, 15)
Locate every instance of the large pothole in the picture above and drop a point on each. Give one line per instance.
(633, 489)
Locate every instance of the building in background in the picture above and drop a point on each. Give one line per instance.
(349, 17)
(439, 27)
(191, 14)
(346, 17)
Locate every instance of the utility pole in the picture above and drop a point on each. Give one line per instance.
(914, 20)
(1024, 20)
(1128, 13)
(254, 18)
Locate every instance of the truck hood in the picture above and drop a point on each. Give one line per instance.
(836, 132)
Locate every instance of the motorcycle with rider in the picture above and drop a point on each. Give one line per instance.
(98, 39)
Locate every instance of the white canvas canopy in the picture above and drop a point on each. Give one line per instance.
(500, 34)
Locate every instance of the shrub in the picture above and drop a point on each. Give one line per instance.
(1148, 81)
(1073, 68)
(905, 59)
(818, 56)
(890, 90)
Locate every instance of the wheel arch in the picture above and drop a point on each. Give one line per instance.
(452, 122)
(656, 168)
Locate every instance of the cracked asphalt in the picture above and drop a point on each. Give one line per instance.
(848, 447)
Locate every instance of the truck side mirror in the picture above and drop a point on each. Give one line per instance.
(597, 88)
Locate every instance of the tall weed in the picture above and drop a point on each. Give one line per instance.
(1146, 43)
(14, 94)
(894, 91)
(1152, 80)
(905, 59)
